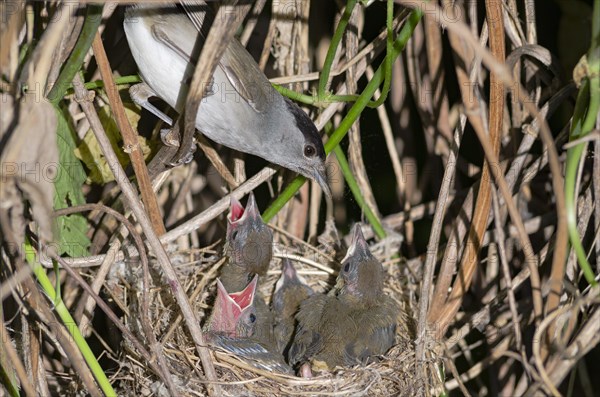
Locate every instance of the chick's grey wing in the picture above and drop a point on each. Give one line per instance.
(308, 340)
(376, 334)
(259, 354)
(369, 345)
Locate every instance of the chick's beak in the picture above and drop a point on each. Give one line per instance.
(229, 306)
(359, 244)
(358, 239)
(236, 210)
(245, 297)
(252, 208)
(289, 272)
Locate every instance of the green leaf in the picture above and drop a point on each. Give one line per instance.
(90, 153)
(72, 229)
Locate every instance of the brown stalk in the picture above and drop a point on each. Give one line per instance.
(291, 45)
(439, 100)
(500, 239)
(474, 115)
(216, 161)
(484, 199)
(35, 360)
(13, 357)
(518, 92)
(588, 337)
(42, 310)
(130, 138)
(251, 22)
(182, 192)
(596, 184)
(86, 305)
(433, 244)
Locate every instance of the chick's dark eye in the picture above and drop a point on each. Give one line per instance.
(347, 267)
(309, 151)
(234, 235)
(252, 318)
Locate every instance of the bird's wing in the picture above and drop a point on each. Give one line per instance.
(376, 334)
(245, 76)
(259, 354)
(237, 64)
(308, 341)
(175, 33)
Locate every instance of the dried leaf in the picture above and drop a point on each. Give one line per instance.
(29, 162)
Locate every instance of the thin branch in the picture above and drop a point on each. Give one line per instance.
(130, 137)
(131, 198)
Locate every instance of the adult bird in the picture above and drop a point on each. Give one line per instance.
(240, 110)
(353, 324)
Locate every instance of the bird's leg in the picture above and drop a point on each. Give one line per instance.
(170, 137)
(140, 93)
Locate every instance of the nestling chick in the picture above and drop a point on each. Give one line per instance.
(290, 291)
(233, 315)
(233, 327)
(352, 324)
(249, 245)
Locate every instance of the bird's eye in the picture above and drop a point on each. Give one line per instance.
(234, 235)
(250, 277)
(309, 151)
(347, 267)
(252, 318)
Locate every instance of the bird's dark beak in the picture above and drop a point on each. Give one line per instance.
(236, 210)
(320, 176)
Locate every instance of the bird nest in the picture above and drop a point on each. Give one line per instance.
(394, 374)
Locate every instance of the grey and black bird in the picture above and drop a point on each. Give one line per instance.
(241, 110)
(353, 324)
